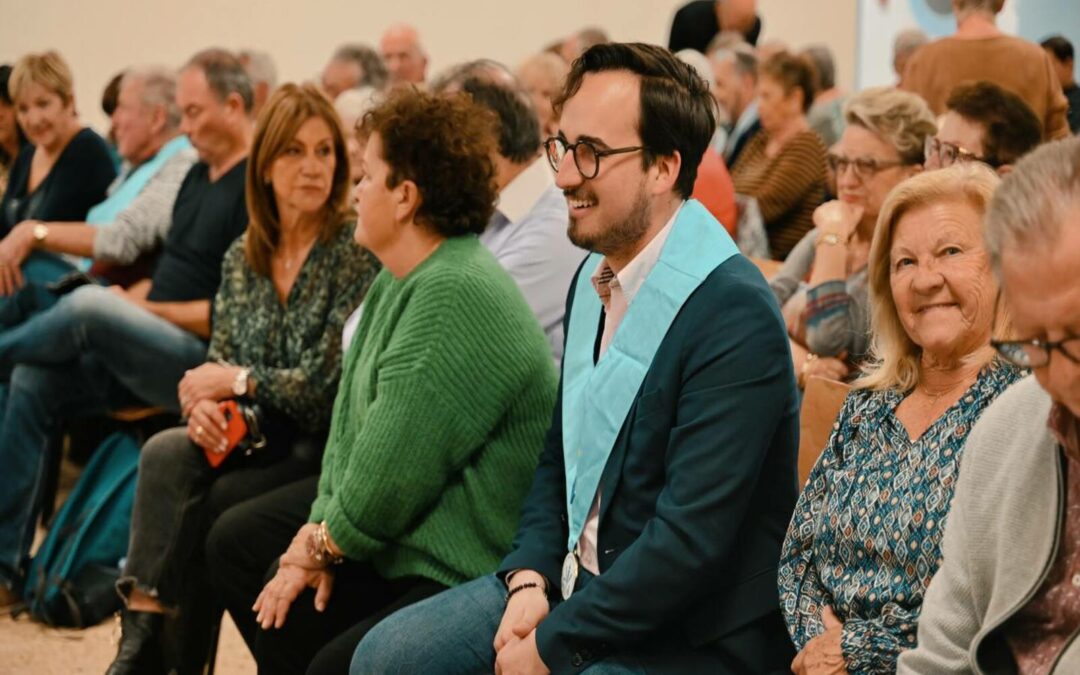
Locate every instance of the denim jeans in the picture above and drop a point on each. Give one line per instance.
(451, 634)
(91, 352)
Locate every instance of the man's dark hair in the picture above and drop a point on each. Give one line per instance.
(1012, 128)
(225, 74)
(1061, 48)
(677, 112)
(111, 95)
(519, 128)
(375, 74)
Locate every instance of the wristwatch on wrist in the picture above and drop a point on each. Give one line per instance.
(240, 384)
(829, 238)
(40, 231)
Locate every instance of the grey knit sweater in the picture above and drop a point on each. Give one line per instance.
(999, 542)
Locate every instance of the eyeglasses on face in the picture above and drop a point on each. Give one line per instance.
(864, 167)
(948, 154)
(586, 154)
(1036, 353)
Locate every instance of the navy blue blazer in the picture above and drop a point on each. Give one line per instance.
(697, 496)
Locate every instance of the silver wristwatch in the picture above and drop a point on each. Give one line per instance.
(240, 384)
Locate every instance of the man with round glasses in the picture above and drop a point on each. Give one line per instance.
(1007, 598)
(650, 539)
(983, 123)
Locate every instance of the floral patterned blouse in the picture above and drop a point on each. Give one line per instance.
(865, 538)
(293, 350)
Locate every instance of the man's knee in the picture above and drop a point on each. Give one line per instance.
(35, 381)
(454, 629)
(87, 303)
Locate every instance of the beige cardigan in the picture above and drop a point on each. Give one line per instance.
(1000, 540)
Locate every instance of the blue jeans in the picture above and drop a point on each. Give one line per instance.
(451, 634)
(90, 353)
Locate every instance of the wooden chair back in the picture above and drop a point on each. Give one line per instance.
(821, 405)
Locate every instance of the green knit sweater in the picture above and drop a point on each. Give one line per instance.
(446, 393)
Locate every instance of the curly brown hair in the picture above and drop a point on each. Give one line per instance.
(443, 144)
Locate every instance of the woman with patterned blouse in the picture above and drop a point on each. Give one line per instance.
(865, 538)
(288, 284)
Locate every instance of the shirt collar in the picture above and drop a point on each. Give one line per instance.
(630, 279)
(746, 119)
(1066, 428)
(522, 193)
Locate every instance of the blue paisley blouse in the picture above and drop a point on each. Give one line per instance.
(865, 538)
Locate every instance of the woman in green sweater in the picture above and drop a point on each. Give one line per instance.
(446, 393)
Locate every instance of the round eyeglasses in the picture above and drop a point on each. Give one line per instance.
(864, 167)
(948, 154)
(586, 154)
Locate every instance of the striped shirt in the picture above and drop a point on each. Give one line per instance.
(787, 187)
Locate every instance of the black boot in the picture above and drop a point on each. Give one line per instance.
(140, 645)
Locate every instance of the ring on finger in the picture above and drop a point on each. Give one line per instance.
(198, 431)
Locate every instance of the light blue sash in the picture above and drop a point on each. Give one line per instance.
(120, 198)
(597, 398)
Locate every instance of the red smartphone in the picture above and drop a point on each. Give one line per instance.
(235, 431)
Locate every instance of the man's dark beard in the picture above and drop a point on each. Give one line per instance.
(619, 236)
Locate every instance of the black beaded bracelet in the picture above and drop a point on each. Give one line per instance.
(515, 589)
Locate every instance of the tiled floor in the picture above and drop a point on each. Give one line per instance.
(31, 648)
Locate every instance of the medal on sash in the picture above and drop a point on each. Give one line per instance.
(569, 574)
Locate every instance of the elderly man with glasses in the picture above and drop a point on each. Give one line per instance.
(1007, 598)
(983, 123)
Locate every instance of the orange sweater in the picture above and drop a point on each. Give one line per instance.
(1009, 62)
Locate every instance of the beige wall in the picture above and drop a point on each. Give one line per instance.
(101, 37)
(800, 23)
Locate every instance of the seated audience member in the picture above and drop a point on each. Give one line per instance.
(1062, 56)
(866, 534)
(135, 218)
(542, 75)
(64, 171)
(288, 285)
(905, 45)
(1003, 600)
(351, 105)
(983, 123)
(352, 66)
(578, 43)
(263, 75)
(713, 186)
(829, 315)
(980, 51)
(697, 22)
(783, 167)
(434, 432)
(826, 115)
(403, 55)
(655, 549)
(736, 77)
(12, 138)
(104, 348)
(527, 231)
